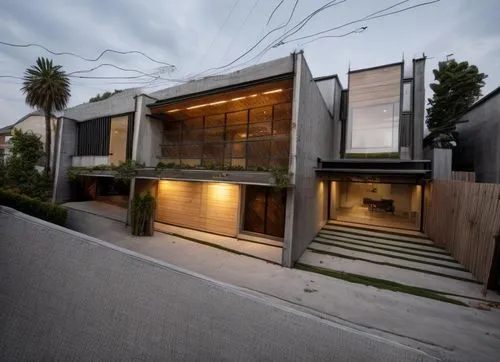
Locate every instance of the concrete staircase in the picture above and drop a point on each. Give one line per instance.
(392, 255)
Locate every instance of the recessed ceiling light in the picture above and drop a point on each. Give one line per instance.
(216, 103)
(238, 99)
(174, 110)
(273, 91)
(198, 106)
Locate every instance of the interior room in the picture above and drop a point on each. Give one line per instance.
(380, 204)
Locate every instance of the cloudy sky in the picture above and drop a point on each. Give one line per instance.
(196, 35)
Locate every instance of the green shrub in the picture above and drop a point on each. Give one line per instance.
(35, 207)
(143, 210)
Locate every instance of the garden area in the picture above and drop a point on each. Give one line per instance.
(23, 186)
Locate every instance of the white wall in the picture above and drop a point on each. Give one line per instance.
(36, 124)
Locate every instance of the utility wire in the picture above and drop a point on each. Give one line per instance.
(366, 18)
(253, 47)
(235, 4)
(84, 58)
(356, 31)
(274, 10)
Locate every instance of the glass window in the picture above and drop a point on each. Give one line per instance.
(375, 128)
(214, 121)
(407, 95)
(283, 111)
(281, 127)
(236, 133)
(262, 114)
(172, 133)
(259, 130)
(192, 135)
(258, 153)
(214, 134)
(237, 118)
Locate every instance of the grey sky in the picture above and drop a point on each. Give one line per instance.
(188, 34)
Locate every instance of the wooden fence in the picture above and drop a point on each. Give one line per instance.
(463, 176)
(464, 218)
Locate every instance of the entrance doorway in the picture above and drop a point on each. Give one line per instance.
(265, 210)
(379, 204)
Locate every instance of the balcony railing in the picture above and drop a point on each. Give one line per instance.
(89, 161)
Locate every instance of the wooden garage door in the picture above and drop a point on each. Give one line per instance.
(212, 207)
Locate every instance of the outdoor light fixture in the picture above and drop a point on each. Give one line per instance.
(174, 110)
(254, 95)
(238, 99)
(273, 91)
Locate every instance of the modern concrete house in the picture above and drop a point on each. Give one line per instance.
(478, 148)
(267, 151)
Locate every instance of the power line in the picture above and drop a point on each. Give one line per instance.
(253, 47)
(356, 31)
(241, 26)
(366, 18)
(85, 58)
(274, 10)
(235, 4)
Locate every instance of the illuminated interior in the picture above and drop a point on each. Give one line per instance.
(391, 205)
(244, 129)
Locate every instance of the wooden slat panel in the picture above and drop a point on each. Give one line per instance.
(211, 207)
(464, 217)
(377, 86)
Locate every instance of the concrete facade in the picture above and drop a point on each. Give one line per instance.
(478, 146)
(307, 201)
(64, 159)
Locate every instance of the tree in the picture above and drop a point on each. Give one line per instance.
(46, 87)
(457, 86)
(105, 95)
(20, 170)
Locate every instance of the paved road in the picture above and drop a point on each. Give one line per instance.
(65, 296)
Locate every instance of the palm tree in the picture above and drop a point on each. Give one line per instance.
(46, 87)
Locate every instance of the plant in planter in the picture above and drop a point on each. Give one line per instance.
(143, 210)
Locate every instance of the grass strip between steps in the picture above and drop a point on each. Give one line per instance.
(380, 283)
(332, 234)
(398, 257)
(353, 246)
(388, 230)
(371, 234)
(217, 246)
(317, 251)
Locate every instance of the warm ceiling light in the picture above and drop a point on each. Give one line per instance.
(216, 103)
(198, 106)
(174, 110)
(238, 99)
(254, 95)
(273, 91)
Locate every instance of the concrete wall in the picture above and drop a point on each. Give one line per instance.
(478, 147)
(67, 148)
(441, 162)
(256, 72)
(311, 137)
(150, 135)
(418, 107)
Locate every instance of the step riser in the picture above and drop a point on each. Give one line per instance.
(402, 239)
(368, 249)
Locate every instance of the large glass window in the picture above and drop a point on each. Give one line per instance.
(374, 128)
(251, 138)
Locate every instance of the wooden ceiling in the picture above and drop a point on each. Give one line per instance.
(251, 97)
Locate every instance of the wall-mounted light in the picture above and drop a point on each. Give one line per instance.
(273, 91)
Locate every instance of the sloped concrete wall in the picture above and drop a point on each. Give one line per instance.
(68, 297)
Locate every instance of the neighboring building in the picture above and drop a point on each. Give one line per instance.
(225, 140)
(478, 148)
(4, 141)
(32, 122)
